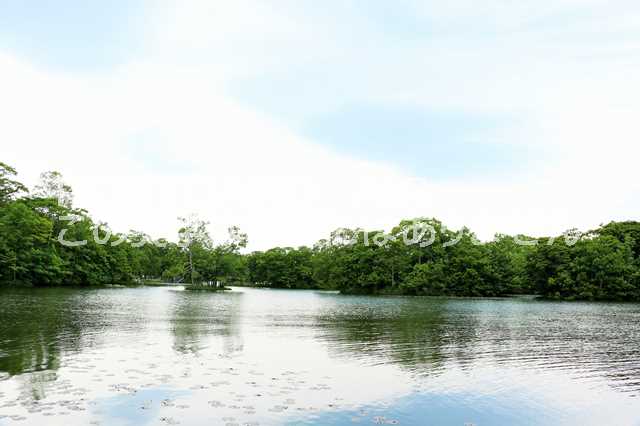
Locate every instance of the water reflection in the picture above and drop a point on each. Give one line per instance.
(390, 330)
(198, 317)
(162, 356)
(427, 335)
(36, 328)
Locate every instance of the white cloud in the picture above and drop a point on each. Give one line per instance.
(156, 139)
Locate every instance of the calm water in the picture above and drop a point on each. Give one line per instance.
(162, 356)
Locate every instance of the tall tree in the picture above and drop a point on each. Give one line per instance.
(9, 188)
(193, 235)
(52, 185)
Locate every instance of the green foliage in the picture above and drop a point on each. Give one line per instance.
(624, 231)
(33, 229)
(417, 257)
(9, 188)
(597, 267)
(26, 254)
(601, 265)
(281, 268)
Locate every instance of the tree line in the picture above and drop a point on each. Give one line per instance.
(46, 241)
(601, 264)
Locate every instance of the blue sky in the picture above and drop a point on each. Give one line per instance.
(72, 35)
(507, 105)
(437, 144)
(78, 36)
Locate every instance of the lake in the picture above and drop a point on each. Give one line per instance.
(164, 356)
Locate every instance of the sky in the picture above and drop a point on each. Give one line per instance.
(293, 118)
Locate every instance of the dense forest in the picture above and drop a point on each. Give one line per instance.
(46, 241)
(603, 264)
(417, 257)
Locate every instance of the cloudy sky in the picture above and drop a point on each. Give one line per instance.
(292, 118)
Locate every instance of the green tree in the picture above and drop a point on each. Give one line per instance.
(51, 185)
(9, 188)
(194, 237)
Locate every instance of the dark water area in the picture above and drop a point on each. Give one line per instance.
(164, 356)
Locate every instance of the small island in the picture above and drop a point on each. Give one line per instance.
(48, 242)
(207, 286)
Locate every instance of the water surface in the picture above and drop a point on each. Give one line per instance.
(163, 356)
